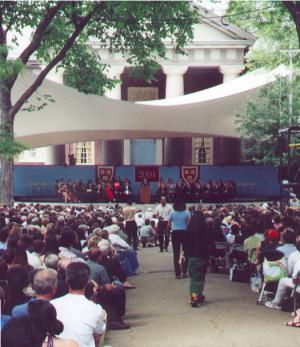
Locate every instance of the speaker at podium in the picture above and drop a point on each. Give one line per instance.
(145, 192)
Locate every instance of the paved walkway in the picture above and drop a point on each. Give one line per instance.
(160, 316)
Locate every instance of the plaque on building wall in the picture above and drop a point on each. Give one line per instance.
(142, 93)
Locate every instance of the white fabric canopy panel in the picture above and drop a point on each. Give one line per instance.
(76, 117)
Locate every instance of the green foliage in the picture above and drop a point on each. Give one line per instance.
(136, 29)
(263, 116)
(39, 103)
(8, 147)
(84, 71)
(273, 26)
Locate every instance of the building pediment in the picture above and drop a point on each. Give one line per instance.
(212, 28)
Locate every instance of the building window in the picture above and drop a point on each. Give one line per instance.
(84, 153)
(202, 150)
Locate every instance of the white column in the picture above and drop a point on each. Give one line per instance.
(174, 88)
(174, 83)
(126, 153)
(115, 72)
(230, 73)
(159, 151)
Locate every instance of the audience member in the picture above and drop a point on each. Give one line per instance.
(83, 320)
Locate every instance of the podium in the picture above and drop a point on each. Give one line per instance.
(145, 194)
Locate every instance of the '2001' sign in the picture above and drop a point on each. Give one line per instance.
(151, 173)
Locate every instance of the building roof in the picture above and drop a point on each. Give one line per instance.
(230, 29)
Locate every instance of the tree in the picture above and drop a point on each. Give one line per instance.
(273, 26)
(263, 116)
(60, 36)
(276, 30)
(293, 8)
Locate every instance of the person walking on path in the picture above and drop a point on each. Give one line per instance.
(163, 211)
(178, 221)
(129, 212)
(199, 248)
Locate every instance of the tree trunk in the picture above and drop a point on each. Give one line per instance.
(294, 8)
(6, 163)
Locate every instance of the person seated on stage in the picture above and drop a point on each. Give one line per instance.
(63, 190)
(80, 189)
(216, 191)
(181, 190)
(147, 235)
(117, 189)
(196, 191)
(127, 190)
(89, 188)
(162, 189)
(73, 192)
(170, 190)
(108, 192)
(100, 191)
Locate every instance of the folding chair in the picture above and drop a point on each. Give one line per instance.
(220, 259)
(273, 271)
(238, 254)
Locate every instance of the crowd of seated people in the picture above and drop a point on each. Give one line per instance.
(211, 191)
(268, 235)
(101, 191)
(49, 253)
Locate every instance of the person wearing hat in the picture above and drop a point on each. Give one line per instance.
(269, 247)
(294, 202)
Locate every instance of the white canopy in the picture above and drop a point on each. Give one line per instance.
(75, 117)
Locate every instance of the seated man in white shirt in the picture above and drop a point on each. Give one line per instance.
(287, 283)
(82, 319)
(288, 246)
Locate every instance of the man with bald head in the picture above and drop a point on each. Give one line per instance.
(44, 285)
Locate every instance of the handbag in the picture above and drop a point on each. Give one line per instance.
(274, 270)
(240, 273)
